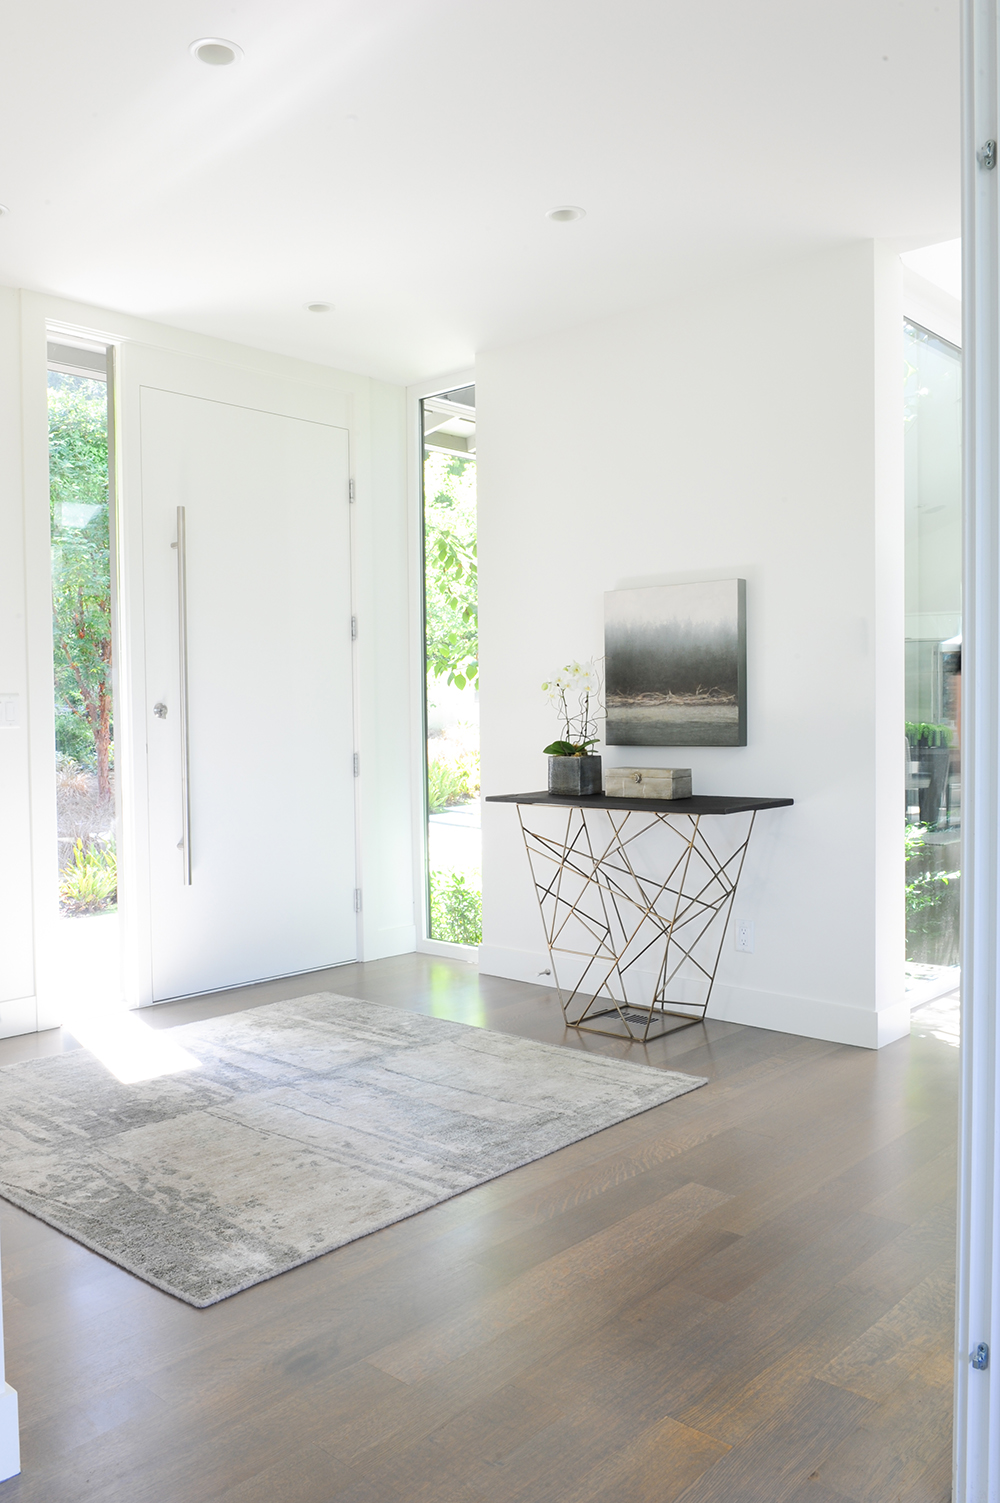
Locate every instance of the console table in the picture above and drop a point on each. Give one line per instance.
(633, 933)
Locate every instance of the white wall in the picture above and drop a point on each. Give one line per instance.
(382, 554)
(754, 433)
(376, 415)
(17, 1012)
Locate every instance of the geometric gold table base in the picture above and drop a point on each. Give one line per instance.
(634, 938)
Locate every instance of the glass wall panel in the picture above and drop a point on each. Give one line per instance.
(933, 490)
(451, 660)
(82, 640)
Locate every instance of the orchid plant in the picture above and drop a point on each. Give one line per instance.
(575, 694)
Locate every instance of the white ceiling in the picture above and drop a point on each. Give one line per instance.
(396, 158)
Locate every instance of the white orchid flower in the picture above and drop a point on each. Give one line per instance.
(579, 682)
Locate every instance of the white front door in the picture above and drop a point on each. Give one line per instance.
(245, 683)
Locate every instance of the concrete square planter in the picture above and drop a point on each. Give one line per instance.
(574, 775)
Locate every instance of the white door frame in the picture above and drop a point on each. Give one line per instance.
(977, 1392)
(347, 398)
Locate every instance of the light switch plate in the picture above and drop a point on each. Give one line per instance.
(10, 712)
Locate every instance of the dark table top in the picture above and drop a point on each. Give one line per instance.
(705, 803)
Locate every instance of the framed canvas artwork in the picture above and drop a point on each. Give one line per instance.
(676, 665)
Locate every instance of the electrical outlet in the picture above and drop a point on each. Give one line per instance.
(744, 936)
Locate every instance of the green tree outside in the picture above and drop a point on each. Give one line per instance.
(451, 627)
(451, 582)
(81, 571)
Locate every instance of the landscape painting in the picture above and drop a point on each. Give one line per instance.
(675, 665)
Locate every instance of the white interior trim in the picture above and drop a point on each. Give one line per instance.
(977, 1442)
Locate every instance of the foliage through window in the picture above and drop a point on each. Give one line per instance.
(451, 654)
(82, 642)
(933, 582)
(452, 577)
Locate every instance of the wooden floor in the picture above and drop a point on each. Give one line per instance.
(743, 1295)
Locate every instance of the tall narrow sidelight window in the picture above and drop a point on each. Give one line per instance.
(82, 630)
(451, 668)
(933, 491)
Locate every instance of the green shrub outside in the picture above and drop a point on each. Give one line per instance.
(451, 781)
(446, 784)
(456, 908)
(89, 884)
(74, 738)
(932, 902)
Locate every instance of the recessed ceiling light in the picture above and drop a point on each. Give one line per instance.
(319, 307)
(216, 51)
(564, 214)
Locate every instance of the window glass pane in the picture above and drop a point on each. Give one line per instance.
(933, 489)
(451, 655)
(81, 640)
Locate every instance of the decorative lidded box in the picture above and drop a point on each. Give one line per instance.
(647, 782)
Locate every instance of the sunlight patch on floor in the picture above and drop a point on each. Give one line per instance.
(940, 1019)
(126, 1046)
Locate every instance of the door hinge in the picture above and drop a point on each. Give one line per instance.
(354, 628)
(357, 764)
(357, 900)
(350, 490)
(981, 1357)
(986, 156)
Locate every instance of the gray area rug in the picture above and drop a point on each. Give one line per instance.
(309, 1123)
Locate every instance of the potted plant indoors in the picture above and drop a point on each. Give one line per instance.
(929, 767)
(575, 692)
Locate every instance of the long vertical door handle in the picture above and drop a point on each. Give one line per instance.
(182, 664)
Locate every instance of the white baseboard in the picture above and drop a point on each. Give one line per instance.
(18, 1016)
(10, 1443)
(893, 1023)
(515, 965)
(469, 953)
(809, 1017)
